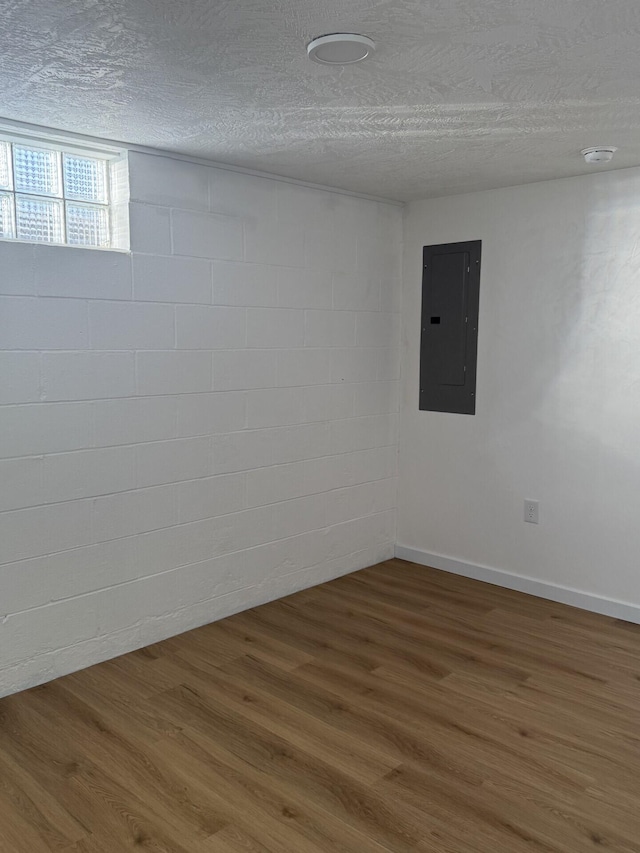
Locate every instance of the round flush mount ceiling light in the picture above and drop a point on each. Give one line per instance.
(599, 154)
(340, 48)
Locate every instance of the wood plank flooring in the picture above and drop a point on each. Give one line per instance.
(396, 709)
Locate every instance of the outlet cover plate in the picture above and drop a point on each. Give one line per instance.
(531, 512)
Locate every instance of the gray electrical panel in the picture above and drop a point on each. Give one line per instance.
(449, 337)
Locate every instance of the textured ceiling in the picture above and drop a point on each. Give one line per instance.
(461, 94)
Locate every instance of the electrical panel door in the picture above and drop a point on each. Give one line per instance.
(450, 301)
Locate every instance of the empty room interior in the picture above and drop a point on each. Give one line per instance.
(319, 426)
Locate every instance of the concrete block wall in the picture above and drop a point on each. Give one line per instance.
(197, 427)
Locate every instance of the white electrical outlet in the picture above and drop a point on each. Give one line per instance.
(531, 512)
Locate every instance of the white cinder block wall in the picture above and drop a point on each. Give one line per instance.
(558, 395)
(198, 427)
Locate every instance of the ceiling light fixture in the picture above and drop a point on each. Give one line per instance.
(599, 154)
(340, 48)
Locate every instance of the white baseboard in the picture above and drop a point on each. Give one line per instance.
(543, 589)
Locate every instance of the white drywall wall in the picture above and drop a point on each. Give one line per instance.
(558, 392)
(198, 427)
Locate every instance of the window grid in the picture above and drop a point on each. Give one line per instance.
(53, 196)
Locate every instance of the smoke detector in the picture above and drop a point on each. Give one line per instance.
(599, 154)
(340, 48)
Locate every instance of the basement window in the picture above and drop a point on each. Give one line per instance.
(62, 194)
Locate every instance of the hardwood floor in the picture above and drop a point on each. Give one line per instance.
(396, 709)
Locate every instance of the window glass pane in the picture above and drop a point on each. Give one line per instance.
(5, 166)
(39, 219)
(85, 178)
(7, 223)
(87, 225)
(36, 170)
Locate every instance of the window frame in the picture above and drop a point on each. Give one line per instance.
(74, 148)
